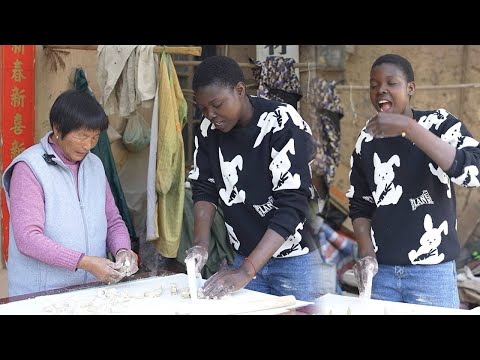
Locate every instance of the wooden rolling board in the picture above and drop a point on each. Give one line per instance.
(129, 298)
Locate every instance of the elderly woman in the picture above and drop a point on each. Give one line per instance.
(62, 213)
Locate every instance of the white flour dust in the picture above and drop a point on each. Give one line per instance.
(115, 301)
(106, 301)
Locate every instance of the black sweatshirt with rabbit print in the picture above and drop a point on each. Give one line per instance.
(409, 199)
(261, 176)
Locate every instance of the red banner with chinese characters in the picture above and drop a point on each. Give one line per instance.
(17, 111)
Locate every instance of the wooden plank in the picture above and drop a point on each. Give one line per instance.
(185, 50)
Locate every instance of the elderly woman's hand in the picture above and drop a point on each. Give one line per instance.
(126, 262)
(102, 268)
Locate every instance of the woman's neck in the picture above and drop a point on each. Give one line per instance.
(59, 151)
(408, 112)
(247, 112)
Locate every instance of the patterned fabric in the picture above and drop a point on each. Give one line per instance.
(409, 198)
(326, 97)
(261, 177)
(277, 80)
(325, 112)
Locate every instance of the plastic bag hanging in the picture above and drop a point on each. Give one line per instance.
(136, 136)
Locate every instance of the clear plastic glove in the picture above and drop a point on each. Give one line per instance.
(126, 262)
(224, 282)
(200, 254)
(364, 271)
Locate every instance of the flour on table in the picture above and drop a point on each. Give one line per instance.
(114, 301)
(105, 301)
(145, 297)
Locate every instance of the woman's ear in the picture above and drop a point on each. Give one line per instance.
(411, 88)
(56, 132)
(240, 88)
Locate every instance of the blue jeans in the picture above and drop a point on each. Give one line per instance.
(434, 285)
(298, 276)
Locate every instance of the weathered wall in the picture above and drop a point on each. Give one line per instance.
(241, 54)
(49, 83)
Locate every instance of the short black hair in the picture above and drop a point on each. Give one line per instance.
(217, 70)
(402, 63)
(75, 109)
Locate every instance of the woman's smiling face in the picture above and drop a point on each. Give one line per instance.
(389, 89)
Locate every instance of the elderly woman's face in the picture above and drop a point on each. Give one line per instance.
(77, 143)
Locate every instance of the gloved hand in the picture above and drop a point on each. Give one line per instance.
(126, 262)
(364, 271)
(200, 254)
(224, 282)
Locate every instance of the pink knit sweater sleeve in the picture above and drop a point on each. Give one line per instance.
(27, 214)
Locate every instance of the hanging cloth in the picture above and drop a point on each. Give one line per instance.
(116, 78)
(104, 152)
(170, 164)
(324, 113)
(277, 80)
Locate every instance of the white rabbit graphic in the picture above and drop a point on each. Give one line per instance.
(427, 253)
